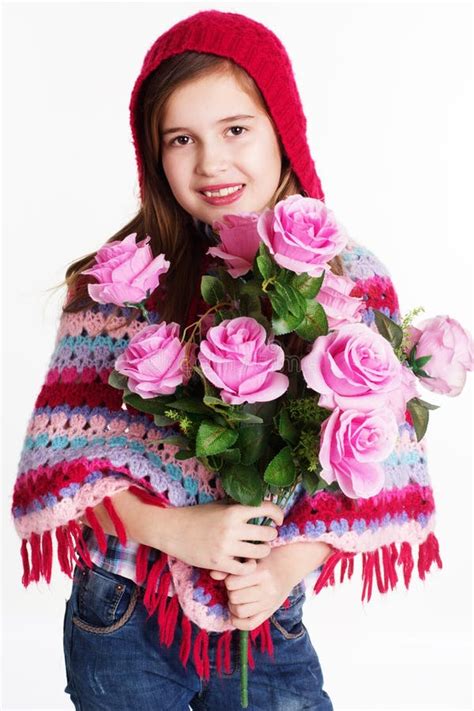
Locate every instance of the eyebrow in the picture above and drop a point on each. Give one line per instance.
(222, 120)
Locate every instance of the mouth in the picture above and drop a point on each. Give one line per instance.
(216, 199)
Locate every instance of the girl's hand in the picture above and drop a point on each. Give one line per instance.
(254, 597)
(216, 535)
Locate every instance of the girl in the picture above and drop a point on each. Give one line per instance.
(163, 573)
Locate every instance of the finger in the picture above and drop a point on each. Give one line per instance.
(252, 532)
(250, 623)
(266, 508)
(251, 594)
(218, 574)
(237, 582)
(241, 568)
(252, 550)
(246, 609)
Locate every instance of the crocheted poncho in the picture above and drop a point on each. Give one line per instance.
(82, 446)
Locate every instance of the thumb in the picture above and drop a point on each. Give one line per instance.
(218, 574)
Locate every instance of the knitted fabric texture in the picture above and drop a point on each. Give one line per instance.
(83, 446)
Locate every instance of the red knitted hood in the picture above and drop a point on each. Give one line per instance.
(257, 50)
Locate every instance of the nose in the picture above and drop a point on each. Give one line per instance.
(211, 160)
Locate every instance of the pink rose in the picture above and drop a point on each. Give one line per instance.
(353, 447)
(451, 349)
(239, 242)
(397, 399)
(301, 234)
(235, 358)
(334, 296)
(155, 361)
(353, 368)
(126, 271)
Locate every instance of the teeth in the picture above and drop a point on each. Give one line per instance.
(222, 192)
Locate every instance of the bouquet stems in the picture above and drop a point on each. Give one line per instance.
(244, 640)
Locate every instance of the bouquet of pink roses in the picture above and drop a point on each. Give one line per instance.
(260, 416)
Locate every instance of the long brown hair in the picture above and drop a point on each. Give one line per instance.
(172, 230)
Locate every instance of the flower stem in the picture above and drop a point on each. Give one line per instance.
(197, 324)
(244, 640)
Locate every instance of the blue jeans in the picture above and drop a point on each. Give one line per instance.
(114, 660)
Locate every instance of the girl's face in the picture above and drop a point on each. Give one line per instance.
(207, 148)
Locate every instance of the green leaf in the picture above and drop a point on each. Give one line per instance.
(428, 405)
(281, 326)
(153, 405)
(281, 469)
(315, 323)
(279, 304)
(390, 330)
(286, 428)
(212, 290)
(311, 481)
(213, 439)
(117, 380)
(212, 401)
(307, 285)
(232, 455)
(252, 442)
(420, 416)
(162, 420)
(266, 266)
(189, 405)
(250, 304)
(295, 302)
(175, 439)
(243, 484)
(247, 417)
(184, 454)
(423, 360)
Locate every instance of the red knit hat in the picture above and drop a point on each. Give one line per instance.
(257, 50)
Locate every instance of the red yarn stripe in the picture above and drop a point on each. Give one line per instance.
(26, 563)
(151, 597)
(116, 520)
(46, 556)
(170, 620)
(63, 551)
(141, 563)
(405, 557)
(250, 659)
(97, 528)
(154, 499)
(268, 635)
(185, 647)
(76, 532)
(35, 557)
(327, 570)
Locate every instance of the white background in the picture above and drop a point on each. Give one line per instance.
(387, 91)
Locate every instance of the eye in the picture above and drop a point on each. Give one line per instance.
(231, 128)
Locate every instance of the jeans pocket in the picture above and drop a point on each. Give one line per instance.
(289, 620)
(105, 601)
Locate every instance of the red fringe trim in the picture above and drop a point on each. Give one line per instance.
(97, 528)
(185, 647)
(141, 563)
(380, 565)
(224, 643)
(116, 520)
